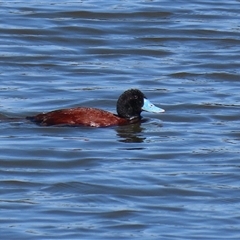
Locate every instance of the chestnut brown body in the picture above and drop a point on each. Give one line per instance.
(92, 117)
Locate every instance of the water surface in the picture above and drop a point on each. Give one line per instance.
(175, 175)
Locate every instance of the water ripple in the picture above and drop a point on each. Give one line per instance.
(178, 170)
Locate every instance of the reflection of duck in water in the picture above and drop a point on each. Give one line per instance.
(129, 107)
(131, 133)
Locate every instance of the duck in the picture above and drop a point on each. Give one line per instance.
(130, 104)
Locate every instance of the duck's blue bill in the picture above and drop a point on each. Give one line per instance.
(149, 107)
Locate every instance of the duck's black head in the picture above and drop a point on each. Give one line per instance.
(132, 102)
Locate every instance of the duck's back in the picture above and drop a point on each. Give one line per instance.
(78, 116)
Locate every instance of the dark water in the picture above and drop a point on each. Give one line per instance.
(175, 176)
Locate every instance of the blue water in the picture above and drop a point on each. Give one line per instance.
(175, 175)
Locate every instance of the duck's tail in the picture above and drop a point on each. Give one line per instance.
(30, 118)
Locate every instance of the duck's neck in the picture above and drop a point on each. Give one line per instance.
(134, 119)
